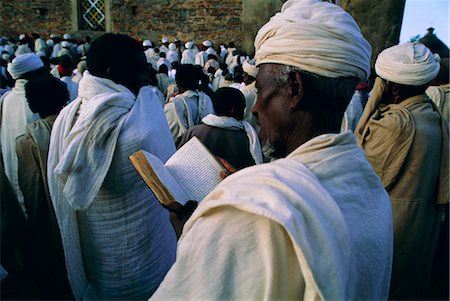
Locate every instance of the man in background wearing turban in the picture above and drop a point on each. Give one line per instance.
(317, 222)
(15, 113)
(249, 91)
(405, 138)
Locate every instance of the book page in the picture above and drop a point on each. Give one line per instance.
(158, 178)
(195, 168)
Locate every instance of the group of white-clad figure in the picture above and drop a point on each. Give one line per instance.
(332, 195)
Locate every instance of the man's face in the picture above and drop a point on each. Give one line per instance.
(272, 111)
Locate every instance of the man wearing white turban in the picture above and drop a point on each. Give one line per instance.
(315, 224)
(405, 138)
(188, 54)
(15, 113)
(250, 92)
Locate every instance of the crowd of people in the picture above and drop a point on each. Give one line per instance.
(336, 187)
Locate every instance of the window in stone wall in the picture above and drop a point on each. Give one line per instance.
(92, 15)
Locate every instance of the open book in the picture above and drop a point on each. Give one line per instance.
(190, 174)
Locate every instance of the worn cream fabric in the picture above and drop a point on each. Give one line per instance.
(315, 36)
(407, 145)
(118, 241)
(251, 95)
(315, 225)
(229, 123)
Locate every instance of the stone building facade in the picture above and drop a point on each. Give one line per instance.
(217, 20)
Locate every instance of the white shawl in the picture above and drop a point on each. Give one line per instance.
(111, 247)
(183, 111)
(90, 143)
(331, 205)
(230, 122)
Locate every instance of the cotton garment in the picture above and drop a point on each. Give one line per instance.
(72, 87)
(251, 95)
(353, 113)
(118, 241)
(188, 56)
(315, 225)
(15, 116)
(186, 110)
(45, 256)
(407, 145)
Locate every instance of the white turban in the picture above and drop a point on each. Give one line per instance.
(314, 36)
(250, 69)
(165, 39)
(65, 44)
(66, 36)
(207, 43)
(52, 36)
(21, 36)
(24, 63)
(410, 64)
(147, 43)
(189, 45)
(22, 49)
(49, 43)
(172, 46)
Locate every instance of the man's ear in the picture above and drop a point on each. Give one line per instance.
(296, 88)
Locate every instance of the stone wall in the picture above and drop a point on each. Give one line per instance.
(380, 21)
(217, 20)
(41, 16)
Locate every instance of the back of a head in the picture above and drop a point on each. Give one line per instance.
(187, 77)
(229, 102)
(112, 50)
(46, 95)
(163, 69)
(119, 58)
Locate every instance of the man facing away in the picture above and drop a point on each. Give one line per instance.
(15, 113)
(118, 244)
(46, 96)
(405, 138)
(225, 134)
(315, 224)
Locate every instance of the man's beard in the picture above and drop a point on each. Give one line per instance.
(272, 151)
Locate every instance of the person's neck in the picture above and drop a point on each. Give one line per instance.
(308, 127)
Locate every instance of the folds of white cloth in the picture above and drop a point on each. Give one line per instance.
(106, 213)
(185, 114)
(230, 123)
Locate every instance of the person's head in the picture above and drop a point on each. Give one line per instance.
(229, 102)
(174, 65)
(162, 54)
(165, 41)
(163, 69)
(66, 65)
(407, 69)
(87, 39)
(231, 45)
(46, 95)
(35, 35)
(120, 59)
(146, 44)
(26, 66)
(212, 57)
(187, 77)
(250, 72)
(309, 65)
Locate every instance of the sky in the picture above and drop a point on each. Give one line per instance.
(421, 14)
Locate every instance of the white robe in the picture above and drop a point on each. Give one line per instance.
(118, 241)
(16, 114)
(188, 56)
(251, 95)
(72, 87)
(315, 225)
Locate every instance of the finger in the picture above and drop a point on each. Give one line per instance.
(230, 168)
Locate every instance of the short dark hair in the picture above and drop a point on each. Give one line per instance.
(226, 99)
(187, 77)
(111, 50)
(46, 95)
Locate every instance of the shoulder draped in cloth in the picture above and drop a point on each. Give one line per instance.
(320, 216)
(106, 214)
